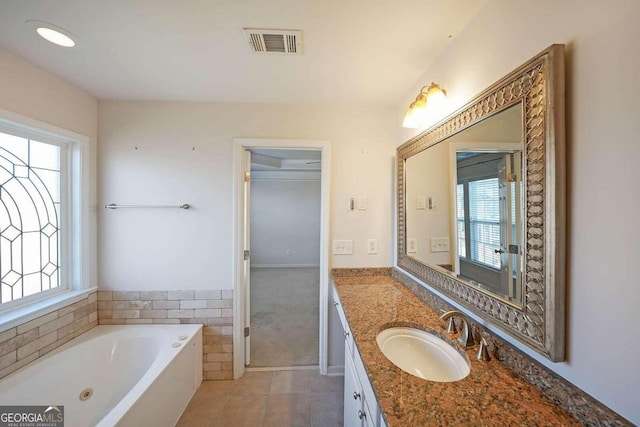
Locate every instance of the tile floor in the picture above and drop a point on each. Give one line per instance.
(268, 399)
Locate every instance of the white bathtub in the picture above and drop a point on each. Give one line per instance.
(138, 375)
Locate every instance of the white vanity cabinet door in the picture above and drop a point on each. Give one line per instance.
(368, 420)
(353, 404)
(370, 406)
(356, 409)
(348, 338)
(360, 405)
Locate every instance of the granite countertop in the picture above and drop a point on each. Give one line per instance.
(491, 395)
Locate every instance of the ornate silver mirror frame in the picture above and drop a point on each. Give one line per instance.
(540, 321)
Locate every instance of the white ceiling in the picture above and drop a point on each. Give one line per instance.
(285, 160)
(355, 51)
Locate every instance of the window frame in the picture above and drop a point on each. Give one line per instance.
(74, 259)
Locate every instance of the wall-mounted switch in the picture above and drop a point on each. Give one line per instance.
(421, 203)
(439, 244)
(412, 245)
(343, 247)
(362, 203)
(372, 246)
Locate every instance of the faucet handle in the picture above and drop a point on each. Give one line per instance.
(466, 337)
(483, 351)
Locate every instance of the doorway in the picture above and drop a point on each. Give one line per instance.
(284, 258)
(281, 288)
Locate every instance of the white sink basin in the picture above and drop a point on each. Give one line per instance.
(422, 354)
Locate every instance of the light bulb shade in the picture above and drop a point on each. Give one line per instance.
(436, 96)
(409, 121)
(415, 115)
(418, 113)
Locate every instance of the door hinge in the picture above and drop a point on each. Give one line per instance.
(246, 332)
(514, 249)
(247, 253)
(247, 177)
(512, 177)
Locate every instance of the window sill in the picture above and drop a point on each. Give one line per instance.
(27, 313)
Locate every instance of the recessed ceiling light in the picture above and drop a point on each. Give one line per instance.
(53, 33)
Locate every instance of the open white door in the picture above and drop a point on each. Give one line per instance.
(247, 256)
(504, 194)
(510, 230)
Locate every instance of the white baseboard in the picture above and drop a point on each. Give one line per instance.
(284, 265)
(335, 371)
(283, 368)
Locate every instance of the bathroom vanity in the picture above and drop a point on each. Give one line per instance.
(480, 220)
(360, 404)
(377, 393)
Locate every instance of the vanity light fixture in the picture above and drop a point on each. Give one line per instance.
(418, 112)
(52, 33)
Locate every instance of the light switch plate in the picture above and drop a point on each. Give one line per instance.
(421, 203)
(343, 247)
(362, 203)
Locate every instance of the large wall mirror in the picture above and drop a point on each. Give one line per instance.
(481, 204)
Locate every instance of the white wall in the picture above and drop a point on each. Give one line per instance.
(603, 94)
(428, 174)
(184, 155)
(33, 93)
(285, 223)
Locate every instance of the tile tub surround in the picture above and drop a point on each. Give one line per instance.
(22, 344)
(213, 309)
(512, 366)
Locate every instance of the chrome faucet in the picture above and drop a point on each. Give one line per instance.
(465, 338)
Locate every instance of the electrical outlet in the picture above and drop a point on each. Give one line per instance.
(372, 246)
(412, 245)
(343, 247)
(439, 244)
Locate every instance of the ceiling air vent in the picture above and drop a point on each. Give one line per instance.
(287, 42)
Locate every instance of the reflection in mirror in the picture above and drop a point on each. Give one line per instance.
(464, 205)
(481, 205)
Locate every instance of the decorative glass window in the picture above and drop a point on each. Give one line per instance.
(33, 178)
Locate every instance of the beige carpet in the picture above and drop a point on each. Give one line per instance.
(284, 317)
